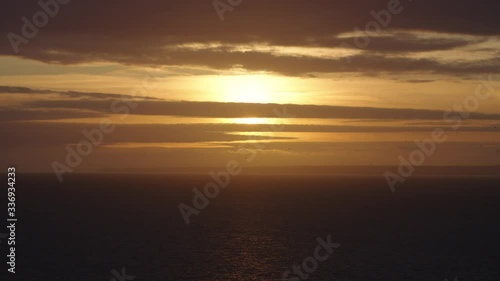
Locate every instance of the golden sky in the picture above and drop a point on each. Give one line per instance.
(181, 88)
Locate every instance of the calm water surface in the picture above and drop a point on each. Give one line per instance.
(257, 228)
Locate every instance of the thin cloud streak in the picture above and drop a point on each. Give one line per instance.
(255, 110)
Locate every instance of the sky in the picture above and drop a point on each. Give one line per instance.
(184, 83)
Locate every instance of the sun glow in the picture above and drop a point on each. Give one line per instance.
(252, 121)
(248, 88)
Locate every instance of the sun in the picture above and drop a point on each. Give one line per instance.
(247, 88)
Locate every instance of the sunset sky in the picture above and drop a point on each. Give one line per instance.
(184, 88)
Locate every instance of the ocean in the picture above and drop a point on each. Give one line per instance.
(257, 228)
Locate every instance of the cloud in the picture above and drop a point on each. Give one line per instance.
(70, 94)
(23, 90)
(243, 110)
(289, 65)
(41, 133)
(16, 114)
(419, 81)
(61, 133)
(94, 105)
(131, 32)
(406, 42)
